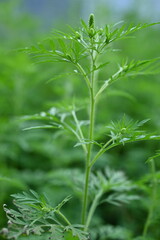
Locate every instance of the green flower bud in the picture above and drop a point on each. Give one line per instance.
(123, 130)
(91, 32)
(100, 31)
(91, 21)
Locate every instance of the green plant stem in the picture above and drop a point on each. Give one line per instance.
(108, 82)
(91, 131)
(76, 134)
(88, 168)
(101, 151)
(93, 208)
(153, 198)
(84, 74)
(63, 217)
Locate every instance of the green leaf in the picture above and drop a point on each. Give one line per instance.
(87, 142)
(126, 131)
(34, 215)
(119, 199)
(63, 45)
(101, 65)
(133, 68)
(45, 236)
(84, 25)
(60, 205)
(69, 236)
(115, 185)
(126, 126)
(124, 31)
(42, 127)
(76, 233)
(135, 138)
(157, 155)
(56, 232)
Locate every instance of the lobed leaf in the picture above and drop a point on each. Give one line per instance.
(77, 233)
(126, 131)
(115, 184)
(60, 205)
(119, 199)
(34, 216)
(133, 68)
(124, 31)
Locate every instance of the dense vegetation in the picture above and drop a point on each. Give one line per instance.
(60, 100)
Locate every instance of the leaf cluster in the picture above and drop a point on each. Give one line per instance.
(118, 188)
(119, 132)
(79, 46)
(36, 217)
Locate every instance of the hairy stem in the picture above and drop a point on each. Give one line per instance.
(153, 199)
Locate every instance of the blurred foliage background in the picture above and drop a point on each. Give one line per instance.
(40, 159)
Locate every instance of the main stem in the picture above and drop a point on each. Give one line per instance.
(91, 131)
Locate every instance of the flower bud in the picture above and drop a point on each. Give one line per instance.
(91, 32)
(123, 130)
(100, 31)
(91, 21)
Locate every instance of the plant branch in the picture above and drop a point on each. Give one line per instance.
(93, 208)
(107, 82)
(101, 151)
(76, 134)
(63, 217)
(80, 68)
(79, 129)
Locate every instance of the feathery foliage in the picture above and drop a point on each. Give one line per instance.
(35, 217)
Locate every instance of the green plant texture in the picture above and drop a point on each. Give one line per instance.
(85, 50)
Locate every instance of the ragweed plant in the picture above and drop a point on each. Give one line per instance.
(35, 217)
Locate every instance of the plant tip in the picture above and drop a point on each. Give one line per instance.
(91, 20)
